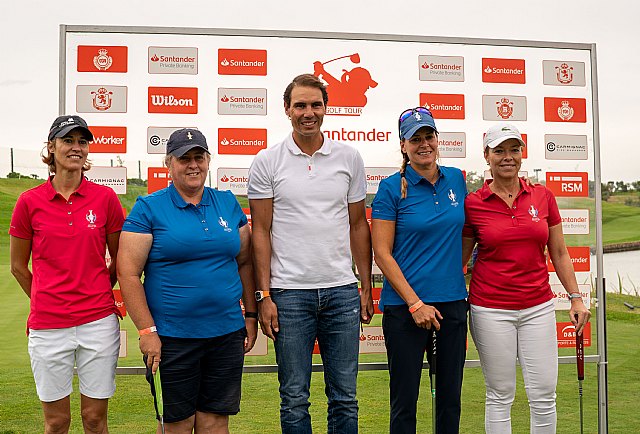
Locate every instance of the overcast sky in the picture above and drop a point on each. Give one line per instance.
(30, 36)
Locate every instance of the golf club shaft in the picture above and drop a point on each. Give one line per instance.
(580, 368)
(432, 375)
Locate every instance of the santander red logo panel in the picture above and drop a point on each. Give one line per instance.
(503, 71)
(444, 106)
(180, 100)
(242, 62)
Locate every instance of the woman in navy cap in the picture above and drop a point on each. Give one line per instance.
(417, 220)
(194, 246)
(63, 226)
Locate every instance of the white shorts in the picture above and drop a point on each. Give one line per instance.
(94, 349)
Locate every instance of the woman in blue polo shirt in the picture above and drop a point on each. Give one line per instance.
(418, 215)
(194, 246)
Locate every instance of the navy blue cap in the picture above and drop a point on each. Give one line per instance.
(182, 141)
(65, 124)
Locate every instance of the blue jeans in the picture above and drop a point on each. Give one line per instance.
(332, 315)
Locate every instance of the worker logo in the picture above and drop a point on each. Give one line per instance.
(102, 61)
(91, 218)
(452, 197)
(347, 94)
(533, 212)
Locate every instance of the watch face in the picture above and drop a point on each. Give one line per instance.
(258, 295)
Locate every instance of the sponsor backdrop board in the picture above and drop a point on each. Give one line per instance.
(135, 85)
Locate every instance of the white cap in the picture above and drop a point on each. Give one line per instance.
(499, 133)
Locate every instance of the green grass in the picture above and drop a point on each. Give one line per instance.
(131, 409)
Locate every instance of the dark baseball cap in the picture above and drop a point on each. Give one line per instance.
(182, 141)
(64, 124)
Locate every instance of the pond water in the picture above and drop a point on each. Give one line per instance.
(621, 269)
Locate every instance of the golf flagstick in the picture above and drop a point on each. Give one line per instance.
(157, 399)
(432, 377)
(580, 366)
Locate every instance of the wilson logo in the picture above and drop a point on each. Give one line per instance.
(173, 100)
(242, 62)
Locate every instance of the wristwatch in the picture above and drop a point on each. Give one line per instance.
(261, 295)
(573, 295)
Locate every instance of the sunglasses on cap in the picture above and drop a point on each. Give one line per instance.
(408, 112)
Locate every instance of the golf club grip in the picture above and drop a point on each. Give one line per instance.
(580, 354)
(434, 351)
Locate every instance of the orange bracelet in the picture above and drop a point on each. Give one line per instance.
(148, 331)
(415, 306)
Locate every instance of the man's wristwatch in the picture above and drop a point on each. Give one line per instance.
(261, 295)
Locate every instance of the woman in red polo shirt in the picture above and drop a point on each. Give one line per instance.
(512, 311)
(65, 227)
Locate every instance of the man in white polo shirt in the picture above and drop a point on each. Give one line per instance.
(307, 207)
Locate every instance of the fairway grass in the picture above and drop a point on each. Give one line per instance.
(131, 409)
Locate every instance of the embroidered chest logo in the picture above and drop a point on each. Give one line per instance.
(222, 222)
(91, 219)
(452, 197)
(533, 212)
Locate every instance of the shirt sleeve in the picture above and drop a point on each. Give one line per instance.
(554, 213)
(260, 178)
(236, 210)
(358, 186)
(21, 220)
(139, 219)
(385, 204)
(115, 216)
(468, 230)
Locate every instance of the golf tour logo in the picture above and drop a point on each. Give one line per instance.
(533, 212)
(225, 225)
(101, 99)
(242, 101)
(173, 60)
(347, 94)
(92, 58)
(242, 62)
(452, 197)
(444, 106)
(503, 71)
(441, 68)
(180, 100)
(565, 109)
(91, 219)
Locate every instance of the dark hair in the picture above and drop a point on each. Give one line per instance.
(305, 80)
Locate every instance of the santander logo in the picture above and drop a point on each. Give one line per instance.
(224, 99)
(224, 62)
(224, 178)
(425, 65)
(173, 100)
(155, 58)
